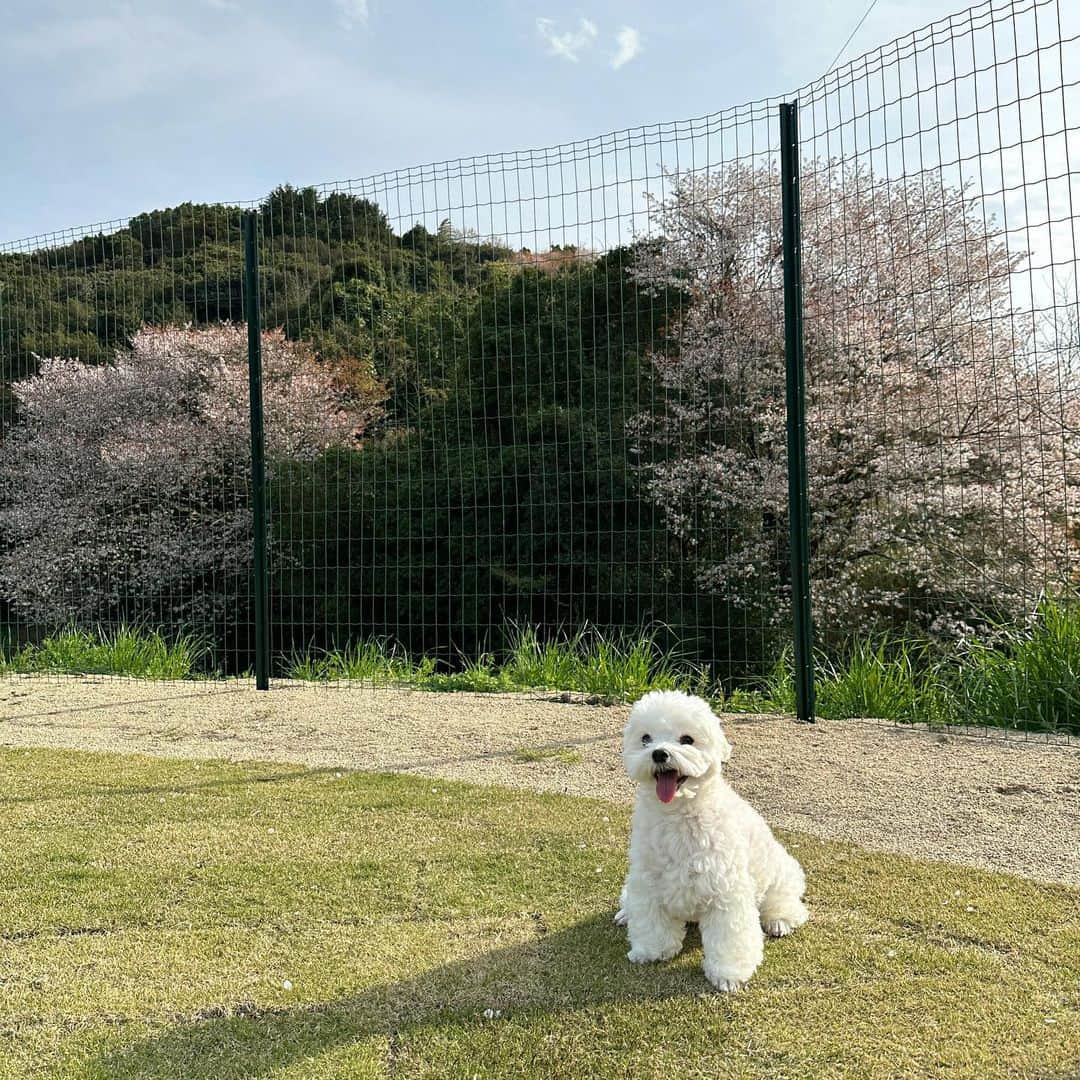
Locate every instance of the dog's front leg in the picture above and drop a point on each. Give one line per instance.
(654, 934)
(732, 939)
(620, 915)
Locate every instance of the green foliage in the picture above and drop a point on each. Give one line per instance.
(882, 679)
(505, 492)
(378, 662)
(185, 264)
(613, 667)
(1021, 678)
(480, 676)
(142, 654)
(742, 700)
(779, 687)
(610, 667)
(1027, 677)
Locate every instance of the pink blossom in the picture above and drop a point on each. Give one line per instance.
(125, 487)
(941, 424)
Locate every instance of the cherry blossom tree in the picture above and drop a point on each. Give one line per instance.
(942, 436)
(124, 487)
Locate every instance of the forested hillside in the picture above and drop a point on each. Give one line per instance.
(497, 486)
(465, 437)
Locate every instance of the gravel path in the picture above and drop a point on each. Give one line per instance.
(999, 804)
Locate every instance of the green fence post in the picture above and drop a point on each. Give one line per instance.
(253, 315)
(798, 500)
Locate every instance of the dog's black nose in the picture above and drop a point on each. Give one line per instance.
(659, 756)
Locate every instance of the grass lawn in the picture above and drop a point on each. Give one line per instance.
(205, 920)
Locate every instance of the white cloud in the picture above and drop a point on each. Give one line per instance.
(353, 12)
(629, 41)
(569, 44)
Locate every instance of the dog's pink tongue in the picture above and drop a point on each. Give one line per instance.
(667, 783)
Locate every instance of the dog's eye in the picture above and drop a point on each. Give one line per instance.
(646, 739)
(686, 740)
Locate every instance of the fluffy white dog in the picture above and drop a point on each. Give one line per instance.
(698, 852)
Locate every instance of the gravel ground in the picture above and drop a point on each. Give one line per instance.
(999, 804)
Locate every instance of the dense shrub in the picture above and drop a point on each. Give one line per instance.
(511, 500)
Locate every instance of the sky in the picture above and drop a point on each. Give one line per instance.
(112, 108)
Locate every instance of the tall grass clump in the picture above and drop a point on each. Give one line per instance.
(381, 662)
(1025, 677)
(615, 667)
(141, 654)
(480, 676)
(610, 667)
(378, 661)
(889, 679)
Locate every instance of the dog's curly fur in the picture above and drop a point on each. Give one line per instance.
(704, 855)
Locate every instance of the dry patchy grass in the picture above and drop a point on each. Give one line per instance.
(198, 920)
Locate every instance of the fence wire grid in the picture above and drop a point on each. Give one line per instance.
(539, 396)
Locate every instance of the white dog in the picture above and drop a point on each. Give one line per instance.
(698, 852)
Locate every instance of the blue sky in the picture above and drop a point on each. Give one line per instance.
(112, 108)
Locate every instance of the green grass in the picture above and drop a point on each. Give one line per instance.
(891, 680)
(529, 755)
(172, 919)
(123, 651)
(1023, 678)
(376, 662)
(609, 667)
(1026, 678)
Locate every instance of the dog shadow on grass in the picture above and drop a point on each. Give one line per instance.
(550, 973)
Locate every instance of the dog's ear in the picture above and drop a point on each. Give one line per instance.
(723, 747)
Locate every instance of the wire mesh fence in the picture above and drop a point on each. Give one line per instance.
(526, 397)
(509, 324)
(124, 450)
(940, 257)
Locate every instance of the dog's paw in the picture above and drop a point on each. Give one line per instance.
(638, 955)
(778, 927)
(782, 920)
(728, 978)
(621, 918)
